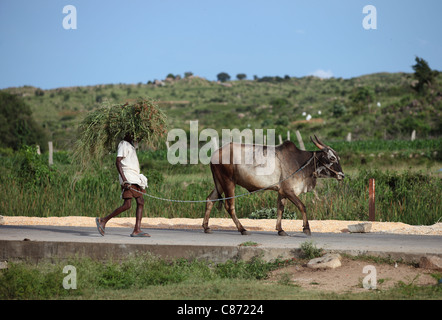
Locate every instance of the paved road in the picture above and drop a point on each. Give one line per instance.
(221, 244)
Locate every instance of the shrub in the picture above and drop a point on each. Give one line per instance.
(338, 110)
(270, 213)
(17, 126)
(310, 251)
(22, 281)
(33, 169)
(423, 74)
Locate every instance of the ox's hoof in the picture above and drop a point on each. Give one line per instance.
(208, 230)
(282, 233)
(245, 233)
(307, 231)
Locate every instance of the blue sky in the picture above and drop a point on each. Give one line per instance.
(135, 41)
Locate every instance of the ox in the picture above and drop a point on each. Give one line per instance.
(294, 172)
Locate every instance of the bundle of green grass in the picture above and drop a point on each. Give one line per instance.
(103, 128)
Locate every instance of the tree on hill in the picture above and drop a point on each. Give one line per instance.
(223, 77)
(241, 76)
(423, 74)
(17, 126)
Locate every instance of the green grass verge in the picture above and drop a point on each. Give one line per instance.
(147, 277)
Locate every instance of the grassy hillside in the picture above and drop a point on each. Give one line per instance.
(376, 106)
(380, 110)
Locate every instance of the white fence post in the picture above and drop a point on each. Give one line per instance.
(301, 143)
(51, 151)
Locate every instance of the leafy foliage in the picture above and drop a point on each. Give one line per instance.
(17, 126)
(271, 213)
(44, 281)
(223, 77)
(310, 251)
(33, 170)
(423, 74)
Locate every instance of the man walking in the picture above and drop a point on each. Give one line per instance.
(132, 184)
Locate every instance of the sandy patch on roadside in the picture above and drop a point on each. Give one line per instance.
(349, 276)
(333, 226)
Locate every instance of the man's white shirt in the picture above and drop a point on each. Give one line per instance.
(130, 165)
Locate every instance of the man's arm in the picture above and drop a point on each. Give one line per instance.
(120, 171)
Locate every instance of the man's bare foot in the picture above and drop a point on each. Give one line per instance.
(140, 234)
(100, 226)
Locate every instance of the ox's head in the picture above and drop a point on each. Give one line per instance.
(328, 165)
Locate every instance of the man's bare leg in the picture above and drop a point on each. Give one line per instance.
(126, 206)
(138, 216)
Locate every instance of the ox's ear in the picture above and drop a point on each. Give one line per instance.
(317, 143)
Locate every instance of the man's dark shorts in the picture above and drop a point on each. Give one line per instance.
(129, 194)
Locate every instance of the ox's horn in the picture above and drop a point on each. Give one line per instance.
(320, 142)
(320, 146)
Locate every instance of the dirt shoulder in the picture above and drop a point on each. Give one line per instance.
(348, 278)
(332, 226)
